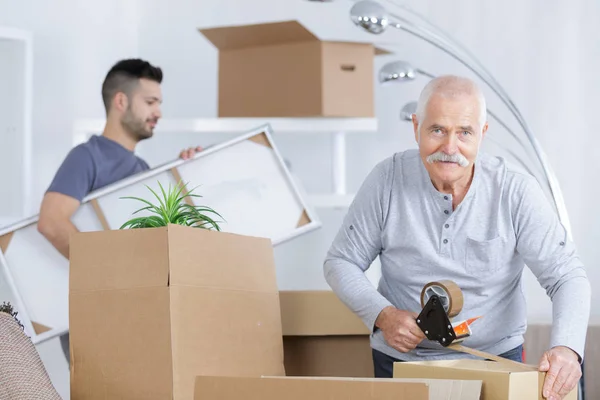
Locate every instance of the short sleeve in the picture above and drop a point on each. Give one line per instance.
(75, 176)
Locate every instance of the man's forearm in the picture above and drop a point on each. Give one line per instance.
(571, 311)
(355, 290)
(58, 234)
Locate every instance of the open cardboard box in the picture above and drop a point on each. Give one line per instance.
(294, 388)
(501, 381)
(292, 71)
(151, 309)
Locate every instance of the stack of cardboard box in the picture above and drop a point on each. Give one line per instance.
(185, 313)
(180, 313)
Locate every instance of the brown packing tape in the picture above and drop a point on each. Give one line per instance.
(484, 355)
(100, 214)
(177, 177)
(453, 293)
(5, 241)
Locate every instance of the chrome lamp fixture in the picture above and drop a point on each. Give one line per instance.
(374, 18)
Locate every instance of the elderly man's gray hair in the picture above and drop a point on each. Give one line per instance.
(451, 86)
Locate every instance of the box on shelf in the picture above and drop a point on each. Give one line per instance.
(282, 69)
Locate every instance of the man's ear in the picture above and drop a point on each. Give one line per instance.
(120, 102)
(484, 130)
(415, 127)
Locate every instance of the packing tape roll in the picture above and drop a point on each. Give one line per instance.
(449, 293)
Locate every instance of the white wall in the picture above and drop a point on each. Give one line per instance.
(75, 44)
(12, 88)
(540, 51)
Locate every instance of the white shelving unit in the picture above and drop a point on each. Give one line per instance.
(16, 52)
(339, 128)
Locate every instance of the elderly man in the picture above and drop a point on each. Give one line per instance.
(446, 211)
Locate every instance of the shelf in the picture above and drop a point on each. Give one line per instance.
(338, 127)
(87, 127)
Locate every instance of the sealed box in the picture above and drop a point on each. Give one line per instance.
(500, 381)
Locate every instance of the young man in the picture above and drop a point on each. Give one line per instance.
(132, 97)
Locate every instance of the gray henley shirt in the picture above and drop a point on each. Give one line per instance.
(504, 223)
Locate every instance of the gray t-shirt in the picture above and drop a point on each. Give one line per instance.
(504, 223)
(94, 164)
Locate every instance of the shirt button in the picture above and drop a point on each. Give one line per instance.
(562, 243)
(445, 241)
(445, 197)
(447, 226)
(446, 212)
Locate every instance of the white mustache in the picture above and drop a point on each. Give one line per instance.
(455, 158)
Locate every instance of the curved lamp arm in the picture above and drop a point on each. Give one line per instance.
(372, 17)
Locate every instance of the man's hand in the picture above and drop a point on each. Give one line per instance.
(400, 329)
(188, 153)
(563, 371)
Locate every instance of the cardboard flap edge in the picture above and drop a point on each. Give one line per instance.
(317, 313)
(228, 37)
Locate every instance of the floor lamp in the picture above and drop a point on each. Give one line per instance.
(374, 18)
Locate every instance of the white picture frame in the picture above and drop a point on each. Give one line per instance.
(244, 179)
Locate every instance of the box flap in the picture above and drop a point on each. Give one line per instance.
(231, 37)
(215, 265)
(291, 388)
(316, 388)
(118, 259)
(264, 34)
(312, 313)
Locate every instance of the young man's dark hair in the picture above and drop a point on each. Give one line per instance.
(124, 77)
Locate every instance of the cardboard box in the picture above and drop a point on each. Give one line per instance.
(151, 309)
(281, 69)
(290, 388)
(322, 337)
(500, 381)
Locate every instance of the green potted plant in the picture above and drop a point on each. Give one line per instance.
(172, 209)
